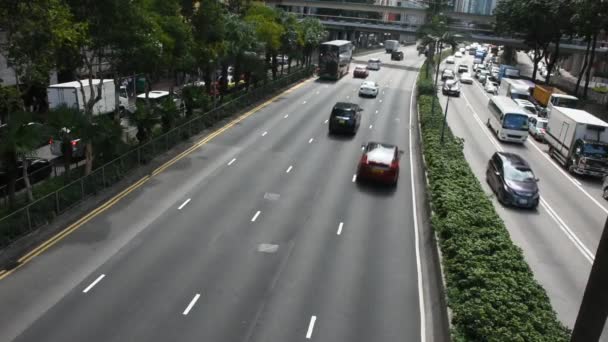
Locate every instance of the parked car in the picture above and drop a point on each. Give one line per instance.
(537, 127)
(369, 88)
(379, 162)
(463, 68)
(450, 60)
(360, 71)
(56, 143)
(447, 74)
(374, 64)
(491, 87)
(37, 168)
(451, 87)
(466, 78)
(397, 55)
(512, 180)
(345, 117)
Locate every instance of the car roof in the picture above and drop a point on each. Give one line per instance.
(346, 105)
(368, 83)
(513, 159)
(360, 67)
(374, 60)
(524, 103)
(154, 94)
(450, 70)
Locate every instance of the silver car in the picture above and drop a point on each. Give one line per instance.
(536, 127)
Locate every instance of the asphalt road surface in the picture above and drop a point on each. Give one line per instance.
(559, 239)
(259, 235)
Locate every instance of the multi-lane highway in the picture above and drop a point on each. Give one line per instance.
(260, 234)
(560, 239)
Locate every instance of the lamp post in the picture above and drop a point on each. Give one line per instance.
(445, 118)
(440, 42)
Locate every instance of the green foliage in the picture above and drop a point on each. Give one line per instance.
(491, 290)
(602, 89)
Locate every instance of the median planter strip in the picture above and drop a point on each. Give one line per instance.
(491, 290)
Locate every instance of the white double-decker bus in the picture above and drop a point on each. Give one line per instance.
(508, 120)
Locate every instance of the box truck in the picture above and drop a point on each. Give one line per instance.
(578, 140)
(507, 71)
(70, 94)
(514, 89)
(552, 96)
(391, 45)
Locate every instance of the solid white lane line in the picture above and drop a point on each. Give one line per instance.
(289, 169)
(416, 233)
(340, 228)
(371, 126)
(326, 121)
(354, 177)
(286, 116)
(311, 139)
(183, 204)
(192, 302)
(232, 161)
(93, 283)
(311, 327)
(255, 216)
(263, 134)
(569, 233)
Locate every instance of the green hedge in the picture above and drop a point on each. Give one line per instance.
(490, 288)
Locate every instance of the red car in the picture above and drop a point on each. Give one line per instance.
(379, 162)
(360, 71)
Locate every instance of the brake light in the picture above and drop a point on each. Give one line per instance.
(74, 142)
(364, 159)
(51, 141)
(394, 164)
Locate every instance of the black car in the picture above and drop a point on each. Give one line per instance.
(397, 56)
(512, 180)
(37, 169)
(345, 118)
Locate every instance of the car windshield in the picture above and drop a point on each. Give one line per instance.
(343, 113)
(541, 124)
(515, 122)
(518, 174)
(595, 150)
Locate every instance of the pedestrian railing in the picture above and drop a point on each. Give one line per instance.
(43, 210)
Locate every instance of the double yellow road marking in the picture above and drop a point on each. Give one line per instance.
(58, 237)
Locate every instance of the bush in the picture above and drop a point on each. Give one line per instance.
(490, 288)
(426, 87)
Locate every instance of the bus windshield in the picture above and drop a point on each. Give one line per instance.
(517, 122)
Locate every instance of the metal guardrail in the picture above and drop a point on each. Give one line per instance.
(43, 210)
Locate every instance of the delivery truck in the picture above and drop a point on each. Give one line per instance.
(548, 97)
(391, 45)
(70, 94)
(507, 71)
(514, 89)
(578, 141)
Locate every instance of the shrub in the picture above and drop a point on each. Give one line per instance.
(490, 288)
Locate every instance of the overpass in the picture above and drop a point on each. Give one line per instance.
(410, 13)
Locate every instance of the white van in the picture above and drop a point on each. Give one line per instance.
(507, 119)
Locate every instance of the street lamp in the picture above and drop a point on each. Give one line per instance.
(445, 118)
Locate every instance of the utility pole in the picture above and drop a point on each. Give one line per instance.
(594, 308)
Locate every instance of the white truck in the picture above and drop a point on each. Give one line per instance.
(391, 45)
(513, 89)
(70, 94)
(578, 140)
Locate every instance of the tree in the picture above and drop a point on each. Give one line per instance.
(207, 28)
(312, 33)
(35, 31)
(268, 30)
(240, 39)
(291, 40)
(18, 140)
